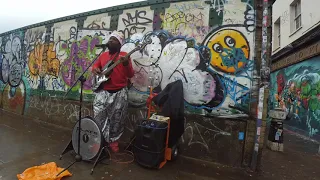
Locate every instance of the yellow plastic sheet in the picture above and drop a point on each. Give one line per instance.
(47, 171)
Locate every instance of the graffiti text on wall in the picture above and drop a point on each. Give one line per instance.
(135, 22)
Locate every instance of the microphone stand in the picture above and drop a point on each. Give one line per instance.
(69, 147)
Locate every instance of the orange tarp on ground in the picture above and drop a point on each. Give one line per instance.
(47, 171)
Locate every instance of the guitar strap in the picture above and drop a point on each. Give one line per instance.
(115, 57)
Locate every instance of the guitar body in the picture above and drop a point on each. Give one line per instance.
(100, 79)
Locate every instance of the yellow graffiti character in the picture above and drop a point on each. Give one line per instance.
(230, 50)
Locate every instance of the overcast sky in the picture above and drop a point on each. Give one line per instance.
(18, 13)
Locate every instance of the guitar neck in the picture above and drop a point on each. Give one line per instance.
(115, 64)
(126, 56)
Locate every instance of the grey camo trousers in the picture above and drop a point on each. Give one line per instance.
(110, 110)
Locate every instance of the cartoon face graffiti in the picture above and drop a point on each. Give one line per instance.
(230, 50)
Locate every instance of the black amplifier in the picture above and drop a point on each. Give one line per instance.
(150, 142)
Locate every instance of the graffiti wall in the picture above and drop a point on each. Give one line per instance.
(14, 86)
(296, 89)
(206, 44)
(214, 63)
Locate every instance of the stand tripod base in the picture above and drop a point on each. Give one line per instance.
(91, 146)
(66, 149)
(101, 156)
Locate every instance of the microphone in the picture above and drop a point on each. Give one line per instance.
(102, 45)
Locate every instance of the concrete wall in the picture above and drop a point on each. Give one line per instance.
(310, 17)
(209, 45)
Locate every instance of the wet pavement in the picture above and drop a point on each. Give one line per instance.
(24, 143)
(299, 161)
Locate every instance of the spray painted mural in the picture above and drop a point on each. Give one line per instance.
(206, 44)
(14, 88)
(214, 63)
(296, 89)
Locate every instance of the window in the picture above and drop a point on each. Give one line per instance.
(277, 34)
(296, 9)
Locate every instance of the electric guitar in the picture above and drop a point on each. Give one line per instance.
(104, 76)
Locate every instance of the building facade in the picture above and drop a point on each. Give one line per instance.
(295, 67)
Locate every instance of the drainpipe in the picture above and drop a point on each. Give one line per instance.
(263, 85)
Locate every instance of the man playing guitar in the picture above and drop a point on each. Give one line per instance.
(111, 100)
